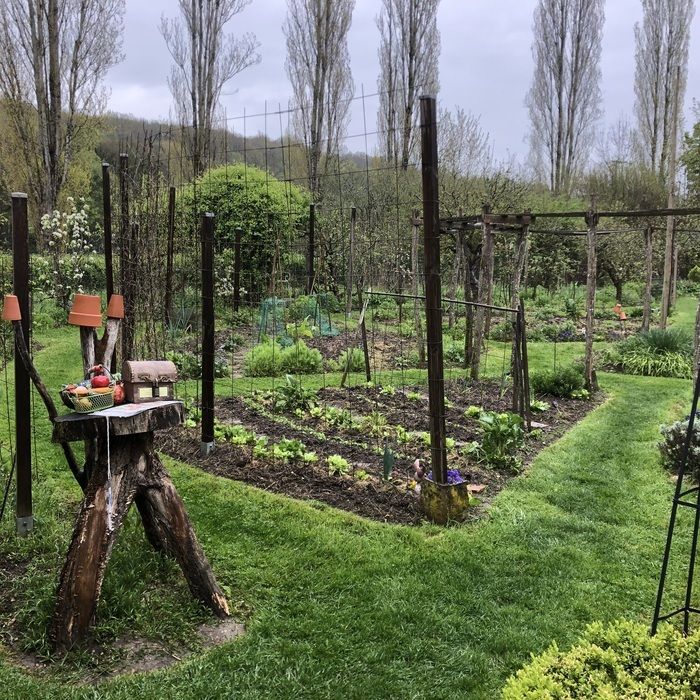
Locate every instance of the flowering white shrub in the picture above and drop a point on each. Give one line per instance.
(68, 236)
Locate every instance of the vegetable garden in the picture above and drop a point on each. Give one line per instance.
(349, 356)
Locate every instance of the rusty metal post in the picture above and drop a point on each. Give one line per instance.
(433, 291)
(311, 250)
(348, 284)
(170, 255)
(107, 239)
(207, 230)
(591, 277)
(107, 226)
(237, 269)
(648, 275)
(23, 406)
(126, 259)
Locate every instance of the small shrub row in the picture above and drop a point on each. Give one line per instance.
(270, 360)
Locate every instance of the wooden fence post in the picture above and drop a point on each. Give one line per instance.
(23, 407)
(666, 296)
(485, 293)
(433, 291)
(415, 287)
(208, 340)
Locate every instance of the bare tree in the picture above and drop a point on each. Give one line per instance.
(564, 100)
(318, 66)
(53, 57)
(409, 50)
(205, 60)
(466, 154)
(662, 41)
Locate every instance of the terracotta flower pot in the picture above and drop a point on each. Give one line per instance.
(86, 311)
(10, 309)
(115, 308)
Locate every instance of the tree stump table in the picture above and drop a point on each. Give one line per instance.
(122, 467)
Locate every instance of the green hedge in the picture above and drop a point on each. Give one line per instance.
(619, 661)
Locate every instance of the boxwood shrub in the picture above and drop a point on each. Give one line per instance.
(620, 661)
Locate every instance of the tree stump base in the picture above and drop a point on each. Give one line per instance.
(123, 467)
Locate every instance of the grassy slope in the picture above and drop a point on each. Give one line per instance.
(346, 608)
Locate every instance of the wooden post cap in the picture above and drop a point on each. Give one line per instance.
(86, 311)
(10, 309)
(115, 308)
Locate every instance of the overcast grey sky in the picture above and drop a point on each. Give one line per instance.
(485, 64)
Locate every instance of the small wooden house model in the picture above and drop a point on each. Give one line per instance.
(150, 380)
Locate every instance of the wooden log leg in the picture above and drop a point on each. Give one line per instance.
(169, 529)
(81, 579)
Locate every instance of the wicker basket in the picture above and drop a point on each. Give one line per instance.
(92, 401)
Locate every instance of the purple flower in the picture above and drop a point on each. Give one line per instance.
(453, 477)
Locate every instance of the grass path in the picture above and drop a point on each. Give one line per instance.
(344, 608)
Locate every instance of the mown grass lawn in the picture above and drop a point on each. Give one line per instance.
(338, 607)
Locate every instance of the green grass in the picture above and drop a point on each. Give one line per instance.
(344, 608)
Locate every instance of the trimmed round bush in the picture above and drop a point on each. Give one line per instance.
(562, 381)
(616, 662)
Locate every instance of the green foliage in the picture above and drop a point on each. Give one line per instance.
(671, 447)
(300, 329)
(539, 406)
(245, 197)
(235, 434)
(337, 465)
(620, 661)
(694, 275)
(572, 308)
(562, 381)
(502, 332)
(301, 359)
(503, 436)
(356, 361)
(263, 360)
(292, 451)
(292, 396)
(375, 423)
(270, 360)
(473, 411)
(646, 362)
(656, 353)
(189, 366)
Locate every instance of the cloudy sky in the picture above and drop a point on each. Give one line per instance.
(485, 65)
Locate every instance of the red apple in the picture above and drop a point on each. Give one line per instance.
(99, 381)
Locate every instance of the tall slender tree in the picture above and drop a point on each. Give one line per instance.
(318, 67)
(409, 50)
(54, 55)
(564, 99)
(662, 41)
(205, 58)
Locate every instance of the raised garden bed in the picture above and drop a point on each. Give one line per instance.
(375, 415)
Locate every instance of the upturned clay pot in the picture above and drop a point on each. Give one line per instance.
(86, 311)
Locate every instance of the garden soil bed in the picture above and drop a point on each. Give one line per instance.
(393, 501)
